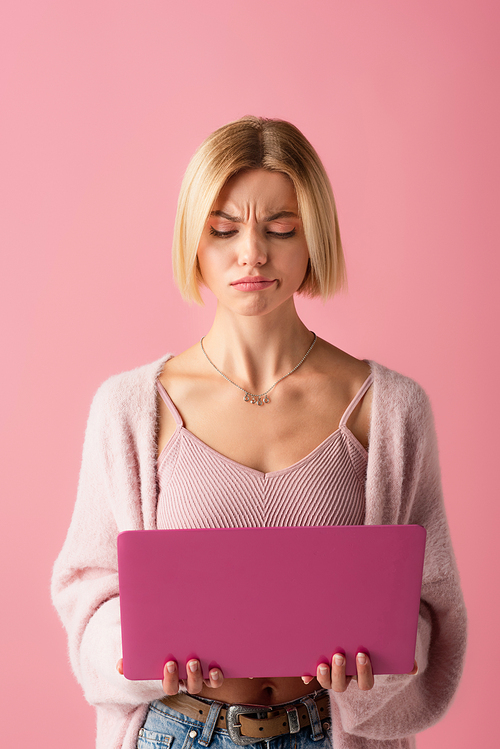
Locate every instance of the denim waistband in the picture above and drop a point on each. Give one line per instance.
(205, 730)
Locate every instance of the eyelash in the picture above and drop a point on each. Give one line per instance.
(279, 235)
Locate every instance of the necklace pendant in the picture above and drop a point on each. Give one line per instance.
(260, 400)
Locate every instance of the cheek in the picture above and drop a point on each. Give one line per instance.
(203, 260)
(301, 268)
(300, 262)
(211, 264)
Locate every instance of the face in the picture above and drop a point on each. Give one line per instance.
(253, 254)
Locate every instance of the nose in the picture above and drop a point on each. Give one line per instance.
(252, 250)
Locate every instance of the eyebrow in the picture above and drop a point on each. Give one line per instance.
(238, 219)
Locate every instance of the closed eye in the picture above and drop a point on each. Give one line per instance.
(278, 234)
(283, 235)
(216, 233)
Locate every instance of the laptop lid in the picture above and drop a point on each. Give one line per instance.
(269, 602)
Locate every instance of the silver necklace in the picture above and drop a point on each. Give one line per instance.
(261, 398)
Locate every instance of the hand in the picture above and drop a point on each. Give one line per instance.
(335, 677)
(194, 681)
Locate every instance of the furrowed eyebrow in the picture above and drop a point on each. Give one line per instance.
(238, 219)
(281, 214)
(235, 219)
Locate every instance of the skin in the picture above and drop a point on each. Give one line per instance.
(255, 232)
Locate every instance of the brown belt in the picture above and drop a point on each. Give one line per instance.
(287, 719)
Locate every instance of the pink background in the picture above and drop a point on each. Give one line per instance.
(103, 104)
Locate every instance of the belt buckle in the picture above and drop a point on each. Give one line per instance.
(234, 728)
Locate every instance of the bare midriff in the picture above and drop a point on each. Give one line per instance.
(260, 691)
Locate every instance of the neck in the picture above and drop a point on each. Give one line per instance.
(254, 351)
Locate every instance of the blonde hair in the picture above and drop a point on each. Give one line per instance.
(258, 143)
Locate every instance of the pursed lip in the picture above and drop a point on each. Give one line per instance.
(253, 280)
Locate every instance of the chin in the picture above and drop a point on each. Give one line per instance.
(257, 310)
(260, 307)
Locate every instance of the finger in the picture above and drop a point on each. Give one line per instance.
(414, 670)
(307, 679)
(323, 675)
(170, 678)
(119, 666)
(215, 678)
(339, 679)
(365, 673)
(194, 677)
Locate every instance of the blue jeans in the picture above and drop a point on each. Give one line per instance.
(166, 728)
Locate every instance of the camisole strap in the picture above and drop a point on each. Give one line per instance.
(169, 403)
(352, 405)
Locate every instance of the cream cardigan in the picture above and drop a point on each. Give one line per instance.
(117, 491)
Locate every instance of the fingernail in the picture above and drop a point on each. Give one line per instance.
(361, 659)
(323, 669)
(214, 675)
(193, 666)
(338, 660)
(304, 679)
(171, 667)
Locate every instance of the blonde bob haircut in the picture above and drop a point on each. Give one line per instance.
(258, 143)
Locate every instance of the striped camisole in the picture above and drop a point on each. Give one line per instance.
(201, 488)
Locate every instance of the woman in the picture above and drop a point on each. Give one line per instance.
(261, 423)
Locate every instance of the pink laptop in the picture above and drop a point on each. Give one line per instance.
(270, 601)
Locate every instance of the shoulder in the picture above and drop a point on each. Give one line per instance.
(129, 393)
(340, 368)
(396, 387)
(398, 400)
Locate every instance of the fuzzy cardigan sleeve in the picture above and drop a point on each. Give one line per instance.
(404, 486)
(116, 492)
